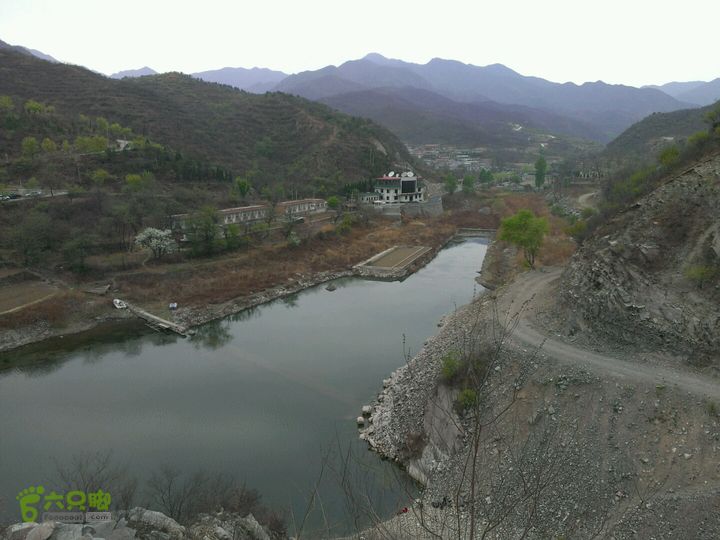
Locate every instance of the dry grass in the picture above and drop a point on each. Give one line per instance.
(219, 280)
(55, 311)
(18, 294)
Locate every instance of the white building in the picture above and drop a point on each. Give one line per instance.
(399, 188)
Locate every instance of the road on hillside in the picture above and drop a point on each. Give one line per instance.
(528, 288)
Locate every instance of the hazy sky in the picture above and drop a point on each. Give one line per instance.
(619, 41)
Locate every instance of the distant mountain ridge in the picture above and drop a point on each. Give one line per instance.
(609, 109)
(255, 80)
(696, 92)
(32, 52)
(142, 72)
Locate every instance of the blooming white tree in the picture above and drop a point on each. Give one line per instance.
(160, 242)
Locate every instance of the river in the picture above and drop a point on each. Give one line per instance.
(261, 395)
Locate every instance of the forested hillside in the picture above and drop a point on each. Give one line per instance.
(273, 138)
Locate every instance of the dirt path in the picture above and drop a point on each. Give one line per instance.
(584, 199)
(528, 288)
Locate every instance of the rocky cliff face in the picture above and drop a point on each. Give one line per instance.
(651, 275)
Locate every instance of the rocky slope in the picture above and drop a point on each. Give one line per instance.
(144, 524)
(651, 275)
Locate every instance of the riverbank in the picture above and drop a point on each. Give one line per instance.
(193, 316)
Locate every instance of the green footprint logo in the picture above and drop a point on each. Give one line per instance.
(27, 498)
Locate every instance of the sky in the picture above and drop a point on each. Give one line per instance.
(633, 42)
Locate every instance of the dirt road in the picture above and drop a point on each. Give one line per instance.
(529, 287)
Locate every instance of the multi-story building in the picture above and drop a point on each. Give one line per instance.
(399, 188)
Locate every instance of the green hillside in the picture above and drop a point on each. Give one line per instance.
(273, 138)
(646, 138)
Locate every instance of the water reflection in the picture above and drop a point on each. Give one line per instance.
(212, 335)
(259, 394)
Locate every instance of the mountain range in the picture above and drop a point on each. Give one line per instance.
(695, 92)
(449, 102)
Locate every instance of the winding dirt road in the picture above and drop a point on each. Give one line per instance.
(528, 288)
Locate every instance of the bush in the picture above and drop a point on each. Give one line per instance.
(467, 398)
(701, 274)
(450, 366)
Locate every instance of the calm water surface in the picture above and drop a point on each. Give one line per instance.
(261, 395)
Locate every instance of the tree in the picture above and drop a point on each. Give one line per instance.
(540, 170)
(334, 203)
(159, 242)
(485, 176)
(203, 230)
(451, 184)
(242, 185)
(468, 184)
(713, 119)
(98, 177)
(30, 147)
(525, 231)
(6, 105)
(48, 145)
(76, 250)
(32, 237)
(669, 156)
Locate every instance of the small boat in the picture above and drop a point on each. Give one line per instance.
(119, 304)
(330, 288)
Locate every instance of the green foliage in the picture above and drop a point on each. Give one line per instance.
(243, 186)
(485, 176)
(293, 240)
(466, 400)
(700, 138)
(588, 212)
(578, 230)
(100, 176)
(451, 184)
(32, 237)
(525, 231)
(468, 185)
(139, 182)
(450, 367)
(76, 250)
(669, 156)
(90, 145)
(6, 105)
(333, 202)
(702, 274)
(33, 107)
(233, 239)
(712, 117)
(540, 171)
(204, 230)
(48, 145)
(30, 147)
(345, 225)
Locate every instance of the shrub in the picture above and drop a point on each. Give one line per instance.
(701, 274)
(467, 398)
(450, 366)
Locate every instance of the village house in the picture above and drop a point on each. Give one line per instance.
(395, 188)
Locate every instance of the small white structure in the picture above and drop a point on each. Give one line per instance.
(369, 198)
(395, 188)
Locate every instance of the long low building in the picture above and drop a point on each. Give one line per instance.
(257, 213)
